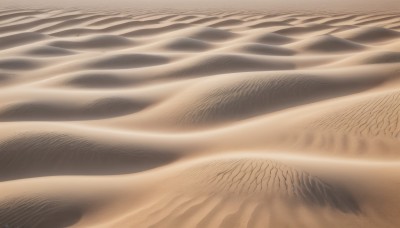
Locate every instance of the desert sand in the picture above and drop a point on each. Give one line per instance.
(199, 118)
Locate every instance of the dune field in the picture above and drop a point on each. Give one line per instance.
(199, 119)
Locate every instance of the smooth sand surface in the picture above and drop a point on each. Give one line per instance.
(199, 119)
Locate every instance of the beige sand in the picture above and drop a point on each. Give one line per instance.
(199, 119)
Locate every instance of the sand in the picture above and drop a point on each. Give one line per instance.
(199, 119)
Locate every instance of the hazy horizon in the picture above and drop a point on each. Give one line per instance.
(323, 5)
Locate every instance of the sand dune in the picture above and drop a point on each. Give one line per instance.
(199, 118)
(326, 44)
(19, 64)
(155, 31)
(362, 117)
(248, 95)
(89, 158)
(369, 34)
(272, 39)
(373, 57)
(20, 39)
(48, 51)
(48, 213)
(206, 34)
(52, 110)
(264, 49)
(97, 80)
(105, 41)
(183, 44)
(128, 61)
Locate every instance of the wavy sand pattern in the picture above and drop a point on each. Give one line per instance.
(199, 119)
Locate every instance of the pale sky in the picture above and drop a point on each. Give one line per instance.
(326, 5)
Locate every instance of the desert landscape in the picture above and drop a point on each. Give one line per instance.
(171, 118)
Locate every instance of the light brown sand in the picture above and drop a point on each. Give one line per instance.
(199, 119)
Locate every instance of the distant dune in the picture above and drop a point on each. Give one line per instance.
(199, 118)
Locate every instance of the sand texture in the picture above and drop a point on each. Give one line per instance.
(199, 119)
